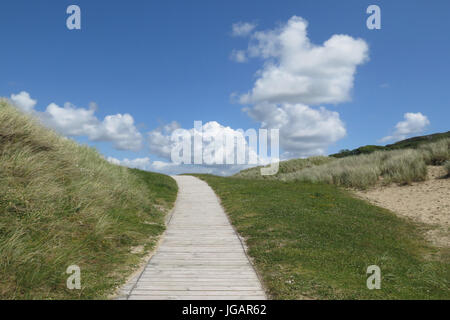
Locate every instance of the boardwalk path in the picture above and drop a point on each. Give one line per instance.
(200, 257)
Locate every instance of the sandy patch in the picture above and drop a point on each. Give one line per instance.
(427, 202)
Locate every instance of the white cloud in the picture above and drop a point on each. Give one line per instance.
(159, 139)
(297, 71)
(114, 161)
(173, 168)
(414, 123)
(212, 136)
(238, 56)
(304, 131)
(72, 121)
(23, 101)
(120, 130)
(297, 74)
(139, 163)
(242, 29)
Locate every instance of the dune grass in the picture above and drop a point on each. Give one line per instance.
(362, 171)
(436, 153)
(316, 241)
(447, 167)
(410, 143)
(285, 167)
(62, 204)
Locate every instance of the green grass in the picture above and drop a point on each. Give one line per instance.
(63, 204)
(163, 188)
(288, 166)
(316, 240)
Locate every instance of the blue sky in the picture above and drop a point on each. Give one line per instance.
(164, 61)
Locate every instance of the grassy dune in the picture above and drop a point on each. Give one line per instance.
(289, 166)
(309, 238)
(316, 241)
(362, 171)
(62, 204)
(410, 143)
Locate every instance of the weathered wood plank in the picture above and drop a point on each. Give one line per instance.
(200, 257)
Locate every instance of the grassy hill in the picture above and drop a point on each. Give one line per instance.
(63, 204)
(310, 238)
(400, 165)
(411, 143)
(315, 240)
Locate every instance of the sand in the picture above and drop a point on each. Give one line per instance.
(426, 202)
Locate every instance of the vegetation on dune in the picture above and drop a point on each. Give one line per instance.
(411, 143)
(316, 241)
(436, 153)
(362, 171)
(62, 204)
(447, 167)
(288, 166)
(361, 150)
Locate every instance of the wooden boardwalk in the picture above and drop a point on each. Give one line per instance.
(200, 257)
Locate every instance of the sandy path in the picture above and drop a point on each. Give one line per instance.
(200, 257)
(427, 202)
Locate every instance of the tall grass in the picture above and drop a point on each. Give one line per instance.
(63, 204)
(362, 171)
(287, 166)
(436, 153)
(447, 167)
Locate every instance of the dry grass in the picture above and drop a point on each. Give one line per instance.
(436, 153)
(362, 171)
(63, 204)
(447, 167)
(288, 166)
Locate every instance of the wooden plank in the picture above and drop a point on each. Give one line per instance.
(200, 257)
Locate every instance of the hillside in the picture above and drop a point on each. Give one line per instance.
(310, 238)
(399, 165)
(315, 241)
(63, 204)
(412, 143)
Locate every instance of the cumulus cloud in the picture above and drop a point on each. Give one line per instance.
(23, 101)
(297, 71)
(304, 131)
(160, 139)
(216, 151)
(139, 163)
(120, 130)
(70, 120)
(242, 29)
(213, 151)
(297, 74)
(73, 121)
(173, 168)
(413, 124)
